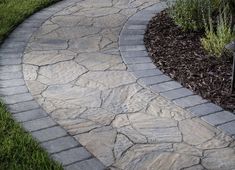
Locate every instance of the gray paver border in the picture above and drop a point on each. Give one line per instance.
(131, 46)
(13, 91)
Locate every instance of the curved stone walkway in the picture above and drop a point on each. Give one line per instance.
(73, 68)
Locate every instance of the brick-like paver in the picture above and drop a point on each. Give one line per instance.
(134, 53)
(167, 86)
(205, 109)
(228, 127)
(17, 98)
(60, 144)
(144, 66)
(30, 115)
(147, 73)
(72, 155)
(133, 48)
(49, 133)
(11, 83)
(177, 93)
(90, 164)
(189, 101)
(13, 90)
(219, 118)
(38, 124)
(154, 80)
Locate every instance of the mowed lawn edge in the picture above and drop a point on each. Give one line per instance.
(18, 149)
(14, 12)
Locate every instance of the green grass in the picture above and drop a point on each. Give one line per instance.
(13, 12)
(18, 150)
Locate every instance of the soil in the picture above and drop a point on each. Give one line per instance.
(180, 54)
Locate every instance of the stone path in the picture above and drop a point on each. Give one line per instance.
(73, 68)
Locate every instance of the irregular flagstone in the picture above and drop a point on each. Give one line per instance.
(79, 126)
(68, 113)
(142, 156)
(106, 43)
(118, 67)
(204, 131)
(35, 87)
(41, 58)
(37, 37)
(121, 145)
(108, 47)
(96, 4)
(142, 121)
(60, 73)
(68, 11)
(186, 149)
(100, 142)
(140, 100)
(73, 68)
(30, 72)
(120, 121)
(165, 161)
(195, 167)
(114, 20)
(70, 20)
(98, 61)
(160, 107)
(49, 44)
(73, 95)
(122, 4)
(155, 129)
(111, 33)
(85, 44)
(98, 115)
(105, 80)
(132, 134)
(94, 12)
(128, 12)
(219, 159)
(77, 32)
(219, 141)
(115, 99)
(47, 28)
(47, 105)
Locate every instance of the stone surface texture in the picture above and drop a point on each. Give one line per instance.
(73, 68)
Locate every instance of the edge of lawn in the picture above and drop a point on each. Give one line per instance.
(21, 14)
(18, 149)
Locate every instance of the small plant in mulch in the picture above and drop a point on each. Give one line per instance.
(187, 42)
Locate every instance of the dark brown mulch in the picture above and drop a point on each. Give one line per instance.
(181, 55)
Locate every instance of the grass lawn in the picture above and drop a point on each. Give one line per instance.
(13, 12)
(18, 150)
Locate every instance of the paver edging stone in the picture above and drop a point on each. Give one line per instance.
(131, 46)
(25, 110)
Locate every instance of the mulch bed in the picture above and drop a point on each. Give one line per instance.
(181, 55)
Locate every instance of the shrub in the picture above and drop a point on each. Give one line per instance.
(219, 34)
(188, 14)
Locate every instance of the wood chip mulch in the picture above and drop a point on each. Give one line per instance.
(181, 55)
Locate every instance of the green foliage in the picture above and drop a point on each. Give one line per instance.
(216, 37)
(13, 12)
(18, 150)
(188, 14)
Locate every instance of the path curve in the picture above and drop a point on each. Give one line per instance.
(73, 68)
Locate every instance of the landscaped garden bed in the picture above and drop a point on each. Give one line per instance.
(179, 52)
